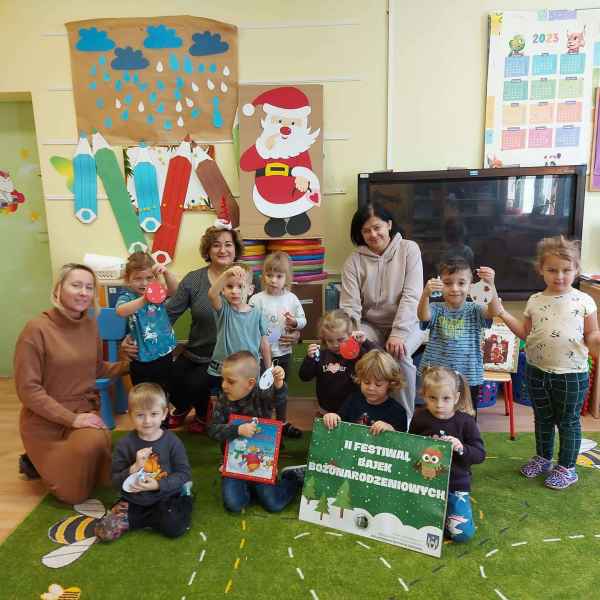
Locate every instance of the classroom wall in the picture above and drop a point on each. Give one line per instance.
(347, 52)
(440, 81)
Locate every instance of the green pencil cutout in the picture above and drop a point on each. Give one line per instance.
(120, 202)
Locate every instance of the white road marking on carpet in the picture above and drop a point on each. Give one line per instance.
(576, 537)
(296, 537)
(300, 573)
(201, 557)
(500, 594)
(192, 577)
(518, 544)
(314, 595)
(597, 535)
(491, 552)
(203, 536)
(482, 572)
(290, 552)
(551, 540)
(385, 562)
(334, 534)
(363, 545)
(401, 582)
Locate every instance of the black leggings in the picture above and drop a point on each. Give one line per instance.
(170, 516)
(157, 371)
(191, 386)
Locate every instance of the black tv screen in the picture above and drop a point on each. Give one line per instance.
(491, 217)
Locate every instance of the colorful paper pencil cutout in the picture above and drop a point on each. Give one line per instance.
(146, 190)
(176, 184)
(120, 202)
(85, 185)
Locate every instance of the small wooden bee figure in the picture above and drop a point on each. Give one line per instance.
(76, 533)
(429, 465)
(57, 592)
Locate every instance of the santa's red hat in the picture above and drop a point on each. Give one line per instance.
(287, 102)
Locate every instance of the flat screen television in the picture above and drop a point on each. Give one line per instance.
(491, 217)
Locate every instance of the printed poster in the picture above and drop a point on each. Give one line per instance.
(392, 487)
(542, 68)
(154, 79)
(500, 349)
(255, 458)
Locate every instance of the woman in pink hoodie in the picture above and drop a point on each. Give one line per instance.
(382, 281)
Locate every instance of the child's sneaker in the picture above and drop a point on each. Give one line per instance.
(561, 478)
(291, 432)
(536, 466)
(295, 472)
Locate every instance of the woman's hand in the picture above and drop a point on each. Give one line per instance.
(129, 347)
(92, 420)
(331, 420)
(395, 346)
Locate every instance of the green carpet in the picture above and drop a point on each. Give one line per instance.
(531, 543)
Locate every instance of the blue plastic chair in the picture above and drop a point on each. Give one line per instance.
(112, 330)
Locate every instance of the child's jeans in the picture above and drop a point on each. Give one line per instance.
(557, 400)
(238, 493)
(459, 517)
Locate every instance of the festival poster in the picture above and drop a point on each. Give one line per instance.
(154, 79)
(281, 162)
(254, 458)
(542, 67)
(392, 487)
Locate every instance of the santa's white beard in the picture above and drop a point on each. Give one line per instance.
(300, 140)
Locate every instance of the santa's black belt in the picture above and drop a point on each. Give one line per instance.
(273, 169)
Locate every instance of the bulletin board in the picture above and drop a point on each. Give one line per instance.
(542, 68)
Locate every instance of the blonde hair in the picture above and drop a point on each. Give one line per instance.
(381, 366)
(436, 375)
(211, 235)
(63, 273)
(334, 320)
(138, 261)
(558, 246)
(245, 362)
(146, 396)
(277, 262)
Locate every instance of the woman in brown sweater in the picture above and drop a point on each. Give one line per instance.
(58, 357)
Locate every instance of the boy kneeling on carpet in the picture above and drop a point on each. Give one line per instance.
(241, 395)
(151, 470)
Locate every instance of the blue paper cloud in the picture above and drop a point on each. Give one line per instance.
(161, 37)
(207, 43)
(128, 58)
(92, 40)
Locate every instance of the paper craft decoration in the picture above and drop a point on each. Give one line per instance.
(146, 191)
(589, 454)
(217, 189)
(255, 458)
(154, 79)
(397, 495)
(176, 184)
(156, 293)
(350, 348)
(76, 533)
(500, 349)
(57, 592)
(10, 198)
(85, 183)
(114, 184)
(266, 379)
(281, 166)
(481, 293)
(594, 185)
(541, 69)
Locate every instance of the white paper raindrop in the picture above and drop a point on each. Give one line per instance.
(141, 106)
(224, 87)
(180, 122)
(117, 103)
(178, 106)
(225, 70)
(189, 102)
(195, 87)
(210, 84)
(159, 66)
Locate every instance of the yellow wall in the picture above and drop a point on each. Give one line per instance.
(354, 109)
(439, 82)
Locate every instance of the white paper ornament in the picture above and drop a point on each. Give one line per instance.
(481, 293)
(266, 379)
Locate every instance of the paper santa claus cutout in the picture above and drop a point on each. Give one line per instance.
(10, 198)
(285, 187)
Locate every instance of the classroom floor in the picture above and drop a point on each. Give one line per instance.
(19, 496)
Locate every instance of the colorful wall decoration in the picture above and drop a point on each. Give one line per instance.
(541, 73)
(154, 79)
(281, 163)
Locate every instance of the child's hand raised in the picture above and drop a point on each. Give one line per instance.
(331, 420)
(380, 426)
(278, 376)
(434, 285)
(237, 272)
(486, 274)
(158, 269)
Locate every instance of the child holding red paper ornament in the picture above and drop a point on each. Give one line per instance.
(147, 318)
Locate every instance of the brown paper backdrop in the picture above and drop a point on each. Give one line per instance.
(252, 221)
(96, 89)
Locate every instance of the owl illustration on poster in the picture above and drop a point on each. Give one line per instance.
(281, 165)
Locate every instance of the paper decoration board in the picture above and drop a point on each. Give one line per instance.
(271, 204)
(500, 349)
(255, 458)
(383, 487)
(154, 79)
(539, 90)
(196, 199)
(594, 184)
